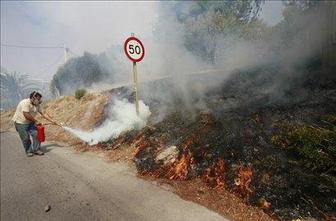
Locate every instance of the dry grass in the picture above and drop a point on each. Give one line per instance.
(89, 111)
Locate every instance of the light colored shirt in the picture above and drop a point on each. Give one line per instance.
(25, 106)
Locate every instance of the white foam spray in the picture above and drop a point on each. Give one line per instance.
(122, 117)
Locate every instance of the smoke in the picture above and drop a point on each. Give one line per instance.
(186, 77)
(270, 58)
(279, 54)
(121, 118)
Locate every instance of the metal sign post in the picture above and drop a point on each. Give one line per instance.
(135, 51)
(135, 78)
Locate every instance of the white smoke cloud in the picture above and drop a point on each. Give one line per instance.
(167, 56)
(122, 117)
(81, 26)
(97, 26)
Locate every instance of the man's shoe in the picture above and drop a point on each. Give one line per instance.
(30, 154)
(38, 152)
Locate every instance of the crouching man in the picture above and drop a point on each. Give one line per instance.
(25, 122)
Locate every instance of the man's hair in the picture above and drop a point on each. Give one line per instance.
(35, 94)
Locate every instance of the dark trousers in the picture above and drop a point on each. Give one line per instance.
(25, 132)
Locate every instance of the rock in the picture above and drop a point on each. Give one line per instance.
(47, 208)
(168, 155)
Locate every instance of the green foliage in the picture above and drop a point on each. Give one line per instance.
(299, 21)
(78, 72)
(79, 93)
(315, 145)
(301, 5)
(52, 87)
(244, 11)
(15, 87)
(206, 22)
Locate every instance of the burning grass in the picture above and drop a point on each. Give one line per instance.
(243, 180)
(278, 158)
(237, 153)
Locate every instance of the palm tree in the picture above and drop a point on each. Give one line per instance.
(15, 87)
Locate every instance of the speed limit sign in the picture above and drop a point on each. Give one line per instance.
(134, 49)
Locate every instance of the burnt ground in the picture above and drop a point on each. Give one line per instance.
(237, 147)
(274, 150)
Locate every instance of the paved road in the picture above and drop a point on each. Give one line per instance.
(81, 186)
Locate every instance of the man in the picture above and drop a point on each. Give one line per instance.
(25, 122)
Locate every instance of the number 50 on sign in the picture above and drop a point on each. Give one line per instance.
(134, 49)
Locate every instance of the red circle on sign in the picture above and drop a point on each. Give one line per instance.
(142, 47)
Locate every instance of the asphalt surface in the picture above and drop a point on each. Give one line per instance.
(82, 186)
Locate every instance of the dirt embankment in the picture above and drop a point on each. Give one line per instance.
(245, 164)
(87, 113)
(84, 114)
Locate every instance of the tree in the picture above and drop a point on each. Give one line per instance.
(207, 21)
(301, 5)
(15, 87)
(77, 73)
(243, 11)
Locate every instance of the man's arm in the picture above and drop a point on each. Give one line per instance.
(29, 117)
(47, 117)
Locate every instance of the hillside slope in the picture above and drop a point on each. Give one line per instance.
(249, 155)
(84, 114)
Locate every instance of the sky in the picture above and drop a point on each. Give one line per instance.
(80, 26)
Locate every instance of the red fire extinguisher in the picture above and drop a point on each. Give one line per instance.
(40, 133)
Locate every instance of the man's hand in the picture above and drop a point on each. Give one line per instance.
(47, 117)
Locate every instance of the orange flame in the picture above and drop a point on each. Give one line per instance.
(179, 170)
(243, 180)
(139, 143)
(219, 173)
(214, 175)
(264, 204)
(187, 144)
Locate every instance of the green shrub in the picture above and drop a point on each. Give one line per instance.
(315, 145)
(79, 93)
